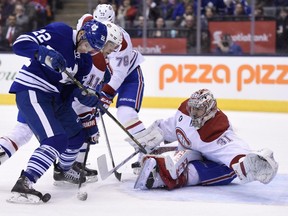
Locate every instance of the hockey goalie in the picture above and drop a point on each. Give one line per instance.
(208, 153)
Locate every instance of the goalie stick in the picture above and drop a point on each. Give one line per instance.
(102, 165)
(117, 174)
(102, 161)
(100, 106)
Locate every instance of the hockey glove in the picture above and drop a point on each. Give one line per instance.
(106, 99)
(88, 120)
(51, 59)
(89, 100)
(149, 138)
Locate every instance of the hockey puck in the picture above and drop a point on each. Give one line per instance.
(46, 197)
(82, 196)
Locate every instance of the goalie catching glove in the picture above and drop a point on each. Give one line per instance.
(149, 138)
(88, 120)
(51, 59)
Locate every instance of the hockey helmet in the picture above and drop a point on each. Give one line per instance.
(95, 33)
(104, 12)
(201, 107)
(114, 33)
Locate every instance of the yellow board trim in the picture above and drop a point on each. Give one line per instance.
(7, 99)
(224, 104)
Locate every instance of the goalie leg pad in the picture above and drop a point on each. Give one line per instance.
(256, 166)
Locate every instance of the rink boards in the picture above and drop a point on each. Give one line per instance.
(242, 83)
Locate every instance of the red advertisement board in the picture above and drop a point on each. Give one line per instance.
(161, 45)
(264, 36)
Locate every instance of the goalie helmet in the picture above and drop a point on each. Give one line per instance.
(95, 34)
(114, 33)
(201, 107)
(104, 12)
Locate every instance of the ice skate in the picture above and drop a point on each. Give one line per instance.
(71, 176)
(149, 177)
(90, 174)
(23, 192)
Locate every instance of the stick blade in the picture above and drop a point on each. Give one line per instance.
(118, 175)
(102, 167)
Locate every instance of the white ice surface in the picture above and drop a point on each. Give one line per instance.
(113, 198)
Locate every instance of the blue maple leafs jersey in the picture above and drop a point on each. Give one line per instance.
(60, 37)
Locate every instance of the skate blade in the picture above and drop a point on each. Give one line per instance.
(66, 184)
(22, 198)
(91, 179)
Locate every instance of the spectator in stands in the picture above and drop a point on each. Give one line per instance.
(209, 14)
(44, 13)
(160, 30)
(126, 14)
(179, 9)
(30, 11)
(259, 13)
(188, 11)
(188, 30)
(22, 19)
(138, 28)
(151, 13)
(226, 46)
(282, 32)
(165, 9)
(7, 8)
(9, 33)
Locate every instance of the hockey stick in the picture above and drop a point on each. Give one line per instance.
(117, 174)
(100, 106)
(82, 195)
(102, 165)
(102, 161)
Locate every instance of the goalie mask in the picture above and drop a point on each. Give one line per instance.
(201, 107)
(104, 12)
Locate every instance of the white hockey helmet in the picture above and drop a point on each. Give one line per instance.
(201, 107)
(114, 33)
(104, 12)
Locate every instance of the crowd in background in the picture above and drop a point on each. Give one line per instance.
(19, 16)
(164, 18)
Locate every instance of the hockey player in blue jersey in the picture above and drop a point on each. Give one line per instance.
(44, 96)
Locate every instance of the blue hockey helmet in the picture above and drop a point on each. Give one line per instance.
(95, 34)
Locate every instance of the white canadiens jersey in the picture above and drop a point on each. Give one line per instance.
(216, 140)
(123, 61)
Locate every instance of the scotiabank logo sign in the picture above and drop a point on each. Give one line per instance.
(221, 73)
(161, 46)
(264, 36)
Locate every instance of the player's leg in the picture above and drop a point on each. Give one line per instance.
(17, 137)
(167, 172)
(64, 170)
(130, 96)
(38, 110)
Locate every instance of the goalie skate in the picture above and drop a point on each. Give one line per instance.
(148, 177)
(256, 166)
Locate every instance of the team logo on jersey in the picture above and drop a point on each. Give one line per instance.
(182, 138)
(94, 27)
